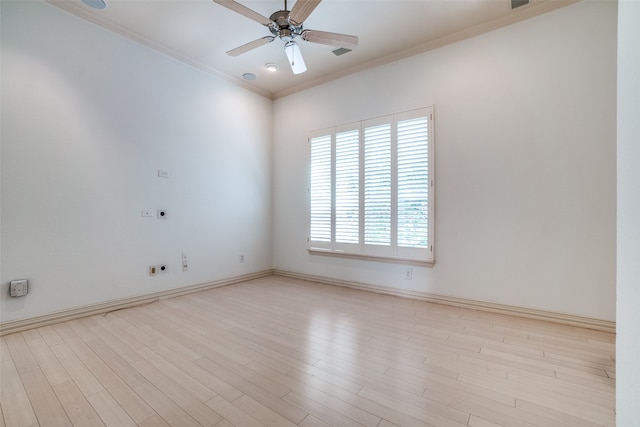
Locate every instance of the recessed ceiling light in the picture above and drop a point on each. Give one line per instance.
(249, 76)
(96, 4)
(272, 67)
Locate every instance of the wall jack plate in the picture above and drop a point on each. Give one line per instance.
(19, 288)
(185, 262)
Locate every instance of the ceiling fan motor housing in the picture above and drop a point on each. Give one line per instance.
(283, 27)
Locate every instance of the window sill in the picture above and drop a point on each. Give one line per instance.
(342, 254)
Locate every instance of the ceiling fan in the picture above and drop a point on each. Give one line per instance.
(287, 25)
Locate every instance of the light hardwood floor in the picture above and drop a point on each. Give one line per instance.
(281, 352)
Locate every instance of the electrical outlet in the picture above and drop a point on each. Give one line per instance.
(163, 268)
(19, 288)
(408, 273)
(241, 258)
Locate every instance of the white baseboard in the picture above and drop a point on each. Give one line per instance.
(531, 313)
(90, 310)
(93, 309)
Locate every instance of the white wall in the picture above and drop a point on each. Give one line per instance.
(525, 163)
(628, 315)
(88, 118)
(525, 141)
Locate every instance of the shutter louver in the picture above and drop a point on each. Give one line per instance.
(320, 189)
(377, 185)
(413, 183)
(348, 187)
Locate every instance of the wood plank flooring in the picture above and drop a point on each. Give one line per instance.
(280, 352)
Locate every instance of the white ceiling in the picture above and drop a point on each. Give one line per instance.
(199, 32)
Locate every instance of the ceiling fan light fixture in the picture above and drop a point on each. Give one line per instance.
(295, 57)
(272, 67)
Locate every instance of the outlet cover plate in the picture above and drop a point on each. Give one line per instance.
(408, 273)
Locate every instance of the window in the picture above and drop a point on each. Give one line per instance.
(371, 188)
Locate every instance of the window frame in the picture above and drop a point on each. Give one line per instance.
(361, 250)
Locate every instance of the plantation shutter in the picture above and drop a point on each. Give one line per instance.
(371, 189)
(413, 183)
(348, 186)
(320, 189)
(377, 185)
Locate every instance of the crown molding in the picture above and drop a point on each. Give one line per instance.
(77, 10)
(535, 8)
(526, 12)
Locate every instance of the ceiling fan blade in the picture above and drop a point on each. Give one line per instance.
(249, 46)
(301, 10)
(243, 10)
(331, 39)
